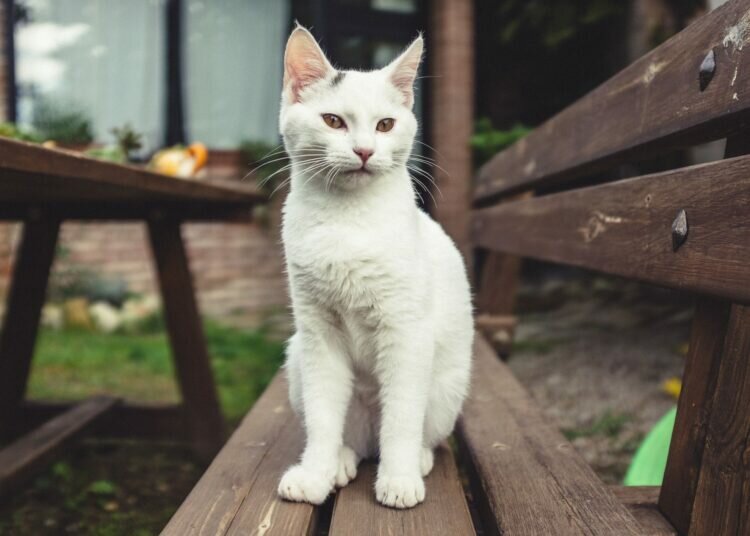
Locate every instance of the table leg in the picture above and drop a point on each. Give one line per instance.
(187, 339)
(24, 305)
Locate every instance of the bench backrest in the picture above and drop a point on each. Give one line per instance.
(688, 228)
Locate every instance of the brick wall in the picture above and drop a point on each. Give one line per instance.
(237, 268)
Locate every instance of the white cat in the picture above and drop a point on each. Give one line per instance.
(380, 361)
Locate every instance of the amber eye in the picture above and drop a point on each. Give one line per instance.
(384, 125)
(333, 121)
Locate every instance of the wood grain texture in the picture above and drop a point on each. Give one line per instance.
(499, 277)
(188, 343)
(34, 173)
(498, 283)
(22, 459)
(35, 254)
(722, 497)
(654, 104)
(624, 228)
(693, 411)
(531, 479)
(124, 210)
(263, 512)
(641, 503)
(237, 492)
(444, 510)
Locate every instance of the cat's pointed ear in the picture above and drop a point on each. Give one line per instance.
(403, 70)
(304, 63)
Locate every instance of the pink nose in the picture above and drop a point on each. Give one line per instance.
(363, 154)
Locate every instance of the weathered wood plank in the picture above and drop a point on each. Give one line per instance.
(241, 482)
(624, 228)
(641, 503)
(444, 510)
(722, 496)
(654, 104)
(263, 511)
(24, 306)
(693, 411)
(37, 174)
(531, 479)
(25, 457)
(128, 210)
(499, 278)
(498, 283)
(155, 422)
(188, 343)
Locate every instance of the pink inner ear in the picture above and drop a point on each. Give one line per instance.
(405, 71)
(305, 64)
(403, 79)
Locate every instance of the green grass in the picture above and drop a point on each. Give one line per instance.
(74, 364)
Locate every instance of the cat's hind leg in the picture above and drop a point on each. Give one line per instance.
(427, 461)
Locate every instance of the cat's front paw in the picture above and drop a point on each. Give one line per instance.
(302, 485)
(399, 491)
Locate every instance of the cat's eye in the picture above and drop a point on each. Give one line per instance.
(384, 125)
(333, 121)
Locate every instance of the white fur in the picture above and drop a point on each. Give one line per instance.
(380, 361)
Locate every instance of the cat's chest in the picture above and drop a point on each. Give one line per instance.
(342, 279)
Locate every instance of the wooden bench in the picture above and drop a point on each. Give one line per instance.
(42, 188)
(511, 472)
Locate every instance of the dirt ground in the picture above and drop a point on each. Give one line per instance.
(594, 352)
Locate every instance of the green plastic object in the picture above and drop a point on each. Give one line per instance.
(650, 460)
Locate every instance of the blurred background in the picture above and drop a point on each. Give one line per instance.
(123, 80)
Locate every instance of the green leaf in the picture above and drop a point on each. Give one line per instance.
(102, 487)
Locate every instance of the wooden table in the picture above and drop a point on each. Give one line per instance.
(42, 188)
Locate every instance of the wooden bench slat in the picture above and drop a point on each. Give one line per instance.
(625, 228)
(240, 485)
(444, 510)
(531, 480)
(722, 497)
(707, 334)
(154, 422)
(26, 456)
(641, 501)
(263, 512)
(31, 173)
(653, 104)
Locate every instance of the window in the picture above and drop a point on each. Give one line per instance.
(234, 51)
(91, 65)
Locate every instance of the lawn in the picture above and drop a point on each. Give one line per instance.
(127, 488)
(75, 364)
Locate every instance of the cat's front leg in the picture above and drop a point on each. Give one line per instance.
(326, 384)
(405, 374)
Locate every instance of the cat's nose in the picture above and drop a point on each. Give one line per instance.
(363, 154)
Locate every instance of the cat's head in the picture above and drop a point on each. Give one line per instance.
(346, 128)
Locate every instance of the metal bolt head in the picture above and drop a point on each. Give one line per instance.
(707, 70)
(679, 230)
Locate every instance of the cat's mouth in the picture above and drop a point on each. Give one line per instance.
(357, 171)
